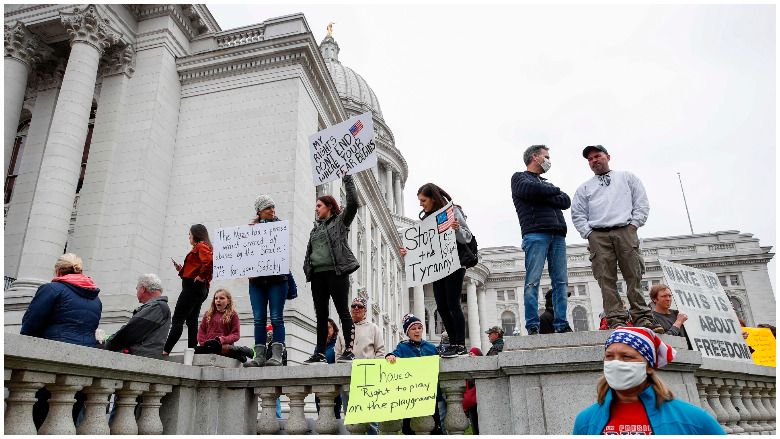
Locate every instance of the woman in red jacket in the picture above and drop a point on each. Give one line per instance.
(220, 328)
(470, 397)
(195, 276)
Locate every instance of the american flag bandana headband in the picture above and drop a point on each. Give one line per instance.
(657, 353)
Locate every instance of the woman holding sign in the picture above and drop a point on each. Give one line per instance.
(328, 263)
(267, 292)
(195, 276)
(447, 291)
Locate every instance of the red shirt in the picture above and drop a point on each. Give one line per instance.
(627, 418)
(228, 333)
(198, 263)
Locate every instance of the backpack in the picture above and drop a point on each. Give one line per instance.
(468, 253)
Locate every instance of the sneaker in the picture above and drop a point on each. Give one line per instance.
(316, 359)
(346, 357)
(533, 331)
(450, 352)
(655, 327)
(567, 328)
(462, 350)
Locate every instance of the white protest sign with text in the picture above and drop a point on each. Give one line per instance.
(348, 146)
(252, 250)
(712, 326)
(431, 249)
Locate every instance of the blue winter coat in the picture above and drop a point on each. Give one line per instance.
(673, 417)
(63, 312)
(538, 204)
(408, 349)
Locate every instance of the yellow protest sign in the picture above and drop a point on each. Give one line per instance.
(764, 343)
(380, 391)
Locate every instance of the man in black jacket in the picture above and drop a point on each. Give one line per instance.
(146, 332)
(538, 205)
(496, 337)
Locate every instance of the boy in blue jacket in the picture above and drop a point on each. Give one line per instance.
(415, 347)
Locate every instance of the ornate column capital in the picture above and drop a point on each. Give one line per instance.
(50, 76)
(90, 27)
(118, 61)
(22, 45)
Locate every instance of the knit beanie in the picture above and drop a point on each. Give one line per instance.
(263, 202)
(408, 321)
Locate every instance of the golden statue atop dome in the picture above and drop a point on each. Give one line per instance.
(330, 28)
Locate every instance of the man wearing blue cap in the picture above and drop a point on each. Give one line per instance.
(607, 210)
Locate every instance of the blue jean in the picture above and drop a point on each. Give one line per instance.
(263, 297)
(539, 247)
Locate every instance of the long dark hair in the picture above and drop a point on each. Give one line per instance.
(329, 201)
(335, 329)
(200, 234)
(439, 196)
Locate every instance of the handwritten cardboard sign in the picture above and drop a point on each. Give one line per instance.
(764, 343)
(380, 391)
(712, 327)
(348, 146)
(249, 251)
(431, 249)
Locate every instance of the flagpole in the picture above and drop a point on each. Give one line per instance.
(686, 202)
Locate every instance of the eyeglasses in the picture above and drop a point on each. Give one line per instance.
(358, 306)
(604, 180)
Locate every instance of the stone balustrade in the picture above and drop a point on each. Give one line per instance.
(536, 386)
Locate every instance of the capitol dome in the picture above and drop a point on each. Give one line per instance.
(355, 93)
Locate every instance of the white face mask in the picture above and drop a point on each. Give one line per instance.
(623, 375)
(546, 164)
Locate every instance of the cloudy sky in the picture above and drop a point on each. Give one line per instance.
(665, 88)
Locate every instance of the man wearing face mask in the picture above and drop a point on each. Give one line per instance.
(631, 397)
(538, 204)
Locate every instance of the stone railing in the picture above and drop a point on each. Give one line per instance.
(239, 37)
(7, 282)
(536, 386)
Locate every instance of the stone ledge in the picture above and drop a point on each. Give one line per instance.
(715, 367)
(573, 339)
(214, 360)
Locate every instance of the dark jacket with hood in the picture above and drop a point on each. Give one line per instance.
(146, 332)
(337, 234)
(538, 204)
(66, 309)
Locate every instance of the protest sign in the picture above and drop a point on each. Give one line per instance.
(348, 146)
(249, 251)
(380, 391)
(762, 340)
(431, 249)
(712, 327)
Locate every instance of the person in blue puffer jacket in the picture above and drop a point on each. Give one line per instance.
(415, 347)
(67, 309)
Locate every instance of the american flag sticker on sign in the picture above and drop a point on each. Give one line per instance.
(356, 128)
(445, 219)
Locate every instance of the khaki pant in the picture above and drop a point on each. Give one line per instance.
(608, 250)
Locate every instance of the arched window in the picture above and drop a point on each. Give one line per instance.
(438, 323)
(508, 322)
(16, 159)
(579, 317)
(738, 307)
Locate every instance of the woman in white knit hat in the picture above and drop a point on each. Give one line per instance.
(267, 293)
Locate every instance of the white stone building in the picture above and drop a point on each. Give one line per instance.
(125, 124)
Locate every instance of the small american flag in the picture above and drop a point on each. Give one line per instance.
(445, 219)
(356, 128)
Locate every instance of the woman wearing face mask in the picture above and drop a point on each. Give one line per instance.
(327, 265)
(267, 292)
(447, 291)
(631, 397)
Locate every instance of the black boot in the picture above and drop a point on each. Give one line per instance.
(238, 352)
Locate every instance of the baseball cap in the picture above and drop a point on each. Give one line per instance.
(496, 330)
(588, 149)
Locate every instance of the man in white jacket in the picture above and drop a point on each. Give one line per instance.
(369, 343)
(607, 210)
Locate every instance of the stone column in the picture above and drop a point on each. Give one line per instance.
(267, 422)
(724, 387)
(741, 405)
(422, 424)
(124, 420)
(95, 421)
(390, 427)
(22, 51)
(389, 187)
(51, 211)
(484, 340)
(149, 422)
(63, 391)
(712, 396)
(326, 421)
(399, 195)
(455, 421)
(473, 310)
(22, 386)
(419, 302)
(296, 422)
